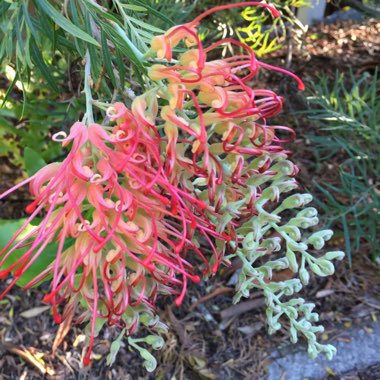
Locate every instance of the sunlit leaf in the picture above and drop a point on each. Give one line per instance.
(33, 161)
(8, 229)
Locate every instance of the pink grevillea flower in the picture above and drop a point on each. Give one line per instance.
(128, 206)
(122, 229)
(230, 121)
(214, 124)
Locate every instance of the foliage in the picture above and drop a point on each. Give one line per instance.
(347, 110)
(145, 178)
(265, 36)
(31, 125)
(35, 33)
(42, 45)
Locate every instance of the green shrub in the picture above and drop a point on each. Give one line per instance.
(347, 111)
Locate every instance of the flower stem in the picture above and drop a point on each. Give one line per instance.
(89, 116)
(137, 53)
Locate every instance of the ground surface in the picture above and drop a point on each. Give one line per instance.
(362, 339)
(207, 339)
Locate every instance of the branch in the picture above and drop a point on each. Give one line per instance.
(359, 6)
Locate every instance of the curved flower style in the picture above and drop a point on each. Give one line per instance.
(193, 159)
(130, 224)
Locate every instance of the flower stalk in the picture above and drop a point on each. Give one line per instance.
(89, 116)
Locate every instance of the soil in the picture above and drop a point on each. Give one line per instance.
(207, 339)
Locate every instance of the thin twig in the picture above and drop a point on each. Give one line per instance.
(242, 308)
(208, 297)
(29, 357)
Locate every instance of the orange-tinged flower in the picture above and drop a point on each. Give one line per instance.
(163, 45)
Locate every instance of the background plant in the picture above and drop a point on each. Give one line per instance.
(42, 47)
(265, 36)
(347, 111)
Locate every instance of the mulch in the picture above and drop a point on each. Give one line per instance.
(208, 339)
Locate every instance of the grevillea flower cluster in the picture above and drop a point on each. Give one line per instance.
(194, 159)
